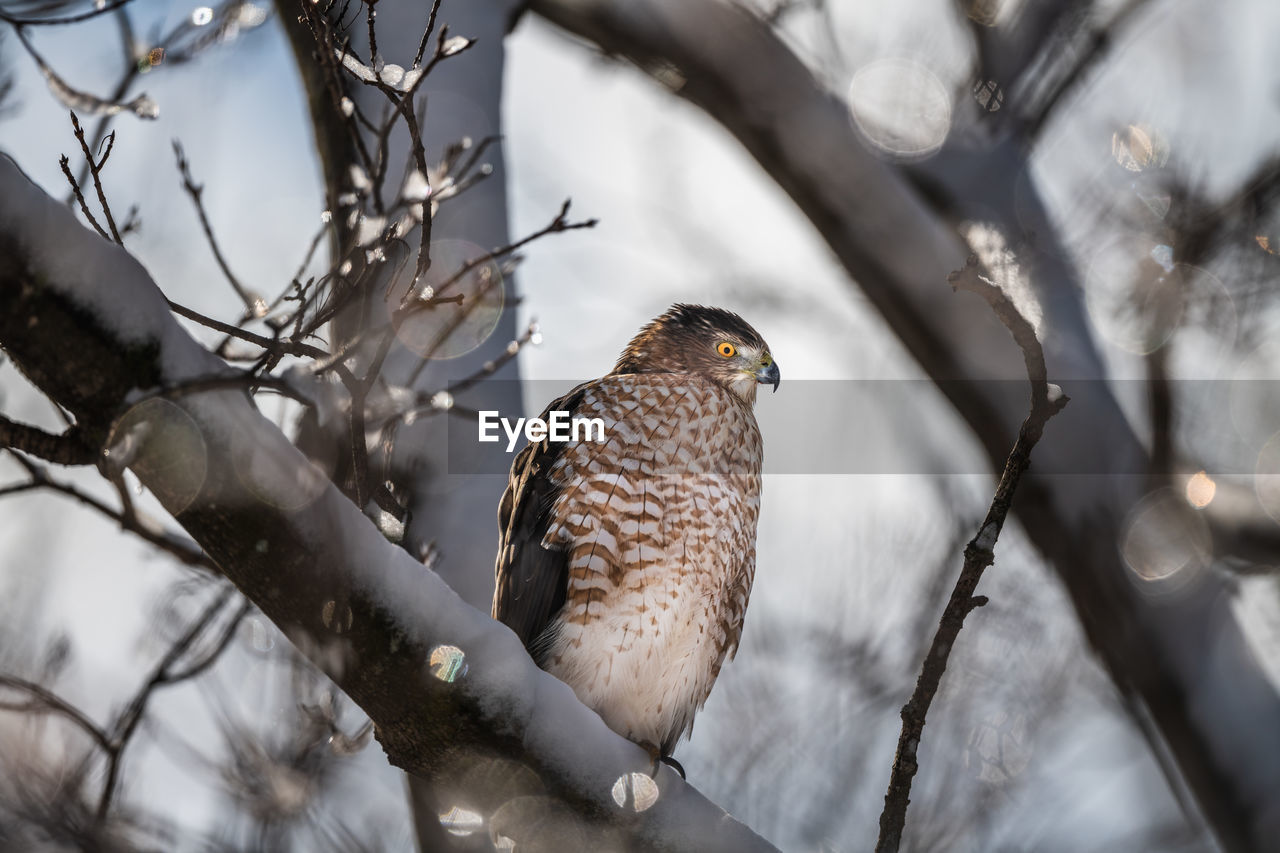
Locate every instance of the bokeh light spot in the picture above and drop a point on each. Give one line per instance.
(1162, 538)
(461, 822)
(448, 663)
(1138, 297)
(1200, 490)
(900, 107)
(988, 13)
(1266, 477)
(163, 446)
(635, 791)
(455, 305)
(1138, 148)
(337, 616)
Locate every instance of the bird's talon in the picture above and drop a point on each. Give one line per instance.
(673, 764)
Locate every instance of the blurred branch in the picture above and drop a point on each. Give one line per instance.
(43, 700)
(114, 741)
(148, 529)
(165, 674)
(141, 106)
(99, 9)
(978, 554)
(1203, 227)
(1006, 50)
(1085, 58)
(1243, 533)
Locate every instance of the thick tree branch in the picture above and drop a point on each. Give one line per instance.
(373, 618)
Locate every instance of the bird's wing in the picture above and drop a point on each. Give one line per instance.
(531, 578)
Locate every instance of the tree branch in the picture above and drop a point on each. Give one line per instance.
(978, 554)
(65, 449)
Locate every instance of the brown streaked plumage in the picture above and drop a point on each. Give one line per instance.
(625, 566)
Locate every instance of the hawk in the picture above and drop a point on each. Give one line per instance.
(625, 565)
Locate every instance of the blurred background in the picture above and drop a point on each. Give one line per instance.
(1155, 172)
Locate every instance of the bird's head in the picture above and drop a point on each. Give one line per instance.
(711, 343)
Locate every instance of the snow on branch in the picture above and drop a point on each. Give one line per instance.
(443, 683)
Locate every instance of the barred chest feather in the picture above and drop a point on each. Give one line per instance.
(659, 524)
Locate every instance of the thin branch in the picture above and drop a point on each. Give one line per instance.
(104, 9)
(1087, 58)
(127, 722)
(183, 549)
(95, 169)
(559, 224)
(128, 74)
(43, 700)
(65, 162)
(426, 34)
(195, 191)
(283, 346)
(978, 554)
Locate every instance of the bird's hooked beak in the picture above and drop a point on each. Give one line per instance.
(767, 373)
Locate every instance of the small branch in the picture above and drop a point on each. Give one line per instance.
(69, 448)
(281, 346)
(978, 554)
(65, 162)
(195, 191)
(183, 549)
(126, 724)
(43, 700)
(426, 34)
(95, 171)
(559, 224)
(14, 20)
(1087, 58)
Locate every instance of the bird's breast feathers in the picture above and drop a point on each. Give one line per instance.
(659, 525)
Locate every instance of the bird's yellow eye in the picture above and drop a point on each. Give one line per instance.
(727, 349)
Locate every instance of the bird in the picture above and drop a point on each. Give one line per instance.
(625, 564)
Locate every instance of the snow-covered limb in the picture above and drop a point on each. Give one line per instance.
(443, 683)
(1202, 699)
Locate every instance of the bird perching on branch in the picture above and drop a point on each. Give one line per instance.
(625, 565)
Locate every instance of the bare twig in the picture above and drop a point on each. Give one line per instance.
(283, 346)
(558, 224)
(105, 8)
(251, 302)
(183, 549)
(978, 554)
(95, 170)
(163, 675)
(1096, 45)
(43, 700)
(426, 34)
(65, 162)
